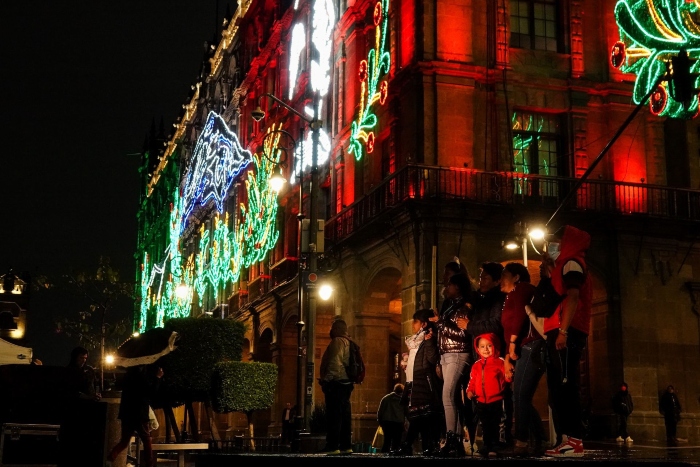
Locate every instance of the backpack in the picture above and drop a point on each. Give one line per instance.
(356, 367)
(545, 300)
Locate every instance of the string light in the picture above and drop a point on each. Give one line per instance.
(378, 64)
(651, 32)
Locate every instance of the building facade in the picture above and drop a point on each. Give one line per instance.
(447, 127)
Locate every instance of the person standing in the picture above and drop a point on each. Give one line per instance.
(454, 346)
(78, 363)
(566, 333)
(671, 409)
(140, 385)
(391, 417)
(524, 356)
(337, 389)
(287, 423)
(622, 406)
(423, 391)
(487, 382)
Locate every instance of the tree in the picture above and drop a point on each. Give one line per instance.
(94, 307)
(244, 387)
(202, 344)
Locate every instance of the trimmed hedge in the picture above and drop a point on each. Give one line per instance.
(203, 343)
(243, 386)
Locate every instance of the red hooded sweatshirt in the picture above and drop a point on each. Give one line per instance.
(488, 377)
(574, 244)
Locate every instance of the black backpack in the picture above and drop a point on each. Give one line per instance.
(356, 367)
(545, 300)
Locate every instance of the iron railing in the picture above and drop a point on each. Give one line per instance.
(416, 182)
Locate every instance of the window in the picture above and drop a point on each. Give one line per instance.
(536, 147)
(533, 24)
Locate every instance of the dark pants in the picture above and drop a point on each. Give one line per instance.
(287, 430)
(622, 430)
(129, 428)
(506, 428)
(490, 416)
(338, 415)
(470, 420)
(529, 369)
(429, 428)
(563, 383)
(671, 424)
(393, 431)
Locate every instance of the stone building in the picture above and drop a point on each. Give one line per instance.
(448, 127)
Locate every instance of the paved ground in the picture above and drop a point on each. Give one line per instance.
(607, 453)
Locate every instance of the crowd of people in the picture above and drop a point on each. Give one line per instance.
(478, 361)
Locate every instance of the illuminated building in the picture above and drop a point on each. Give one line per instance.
(444, 125)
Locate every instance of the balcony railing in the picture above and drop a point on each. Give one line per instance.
(513, 188)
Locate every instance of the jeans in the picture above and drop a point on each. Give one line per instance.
(563, 383)
(529, 369)
(452, 368)
(338, 415)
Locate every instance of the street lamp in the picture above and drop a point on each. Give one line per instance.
(523, 233)
(315, 124)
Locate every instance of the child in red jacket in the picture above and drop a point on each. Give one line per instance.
(486, 384)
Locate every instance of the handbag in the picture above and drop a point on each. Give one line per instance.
(378, 440)
(418, 411)
(438, 371)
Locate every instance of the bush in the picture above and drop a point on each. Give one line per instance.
(202, 344)
(243, 386)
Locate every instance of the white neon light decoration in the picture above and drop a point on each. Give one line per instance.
(323, 22)
(297, 46)
(218, 158)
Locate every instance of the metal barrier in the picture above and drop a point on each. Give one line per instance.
(261, 444)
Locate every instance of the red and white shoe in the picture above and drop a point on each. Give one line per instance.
(570, 447)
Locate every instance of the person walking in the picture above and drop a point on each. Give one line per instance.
(454, 347)
(566, 333)
(524, 358)
(140, 385)
(337, 389)
(671, 409)
(391, 416)
(487, 383)
(623, 406)
(422, 395)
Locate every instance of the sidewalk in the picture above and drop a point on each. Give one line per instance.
(606, 453)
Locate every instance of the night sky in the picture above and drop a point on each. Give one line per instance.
(81, 83)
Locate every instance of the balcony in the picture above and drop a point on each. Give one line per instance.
(429, 183)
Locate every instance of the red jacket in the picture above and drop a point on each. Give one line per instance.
(574, 244)
(488, 377)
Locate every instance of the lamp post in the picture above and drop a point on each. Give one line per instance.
(306, 382)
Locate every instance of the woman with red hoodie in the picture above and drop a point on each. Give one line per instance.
(486, 384)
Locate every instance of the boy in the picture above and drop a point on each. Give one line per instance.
(487, 383)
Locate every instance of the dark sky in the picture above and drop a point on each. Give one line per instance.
(81, 83)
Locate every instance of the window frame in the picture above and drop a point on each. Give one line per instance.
(531, 34)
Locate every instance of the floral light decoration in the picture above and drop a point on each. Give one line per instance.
(651, 33)
(372, 90)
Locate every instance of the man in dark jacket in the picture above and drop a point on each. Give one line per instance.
(670, 407)
(622, 406)
(391, 416)
(140, 385)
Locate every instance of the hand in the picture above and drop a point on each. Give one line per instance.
(560, 343)
(159, 373)
(435, 316)
(98, 396)
(462, 323)
(511, 351)
(429, 335)
(509, 368)
(470, 394)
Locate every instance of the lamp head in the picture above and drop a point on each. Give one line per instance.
(277, 181)
(258, 114)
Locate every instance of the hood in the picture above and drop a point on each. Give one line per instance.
(573, 242)
(339, 329)
(491, 337)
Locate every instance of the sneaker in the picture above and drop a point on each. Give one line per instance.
(629, 439)
(520, 449)
(570, 447)
(346, 451)
(492, 454)
(334, 452)
(620, 439)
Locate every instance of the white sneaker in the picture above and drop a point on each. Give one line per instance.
(628, 439)
(620, 439)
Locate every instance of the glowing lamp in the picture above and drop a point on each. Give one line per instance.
(182, 291)
(109, 359)
(277, 181)
(511, 244)
(325, 292)
(537, 233)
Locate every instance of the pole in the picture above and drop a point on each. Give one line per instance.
(313, 266)
(607, 147)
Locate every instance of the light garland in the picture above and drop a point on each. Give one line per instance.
(217, 159)
(377, 65)
(651, 32)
